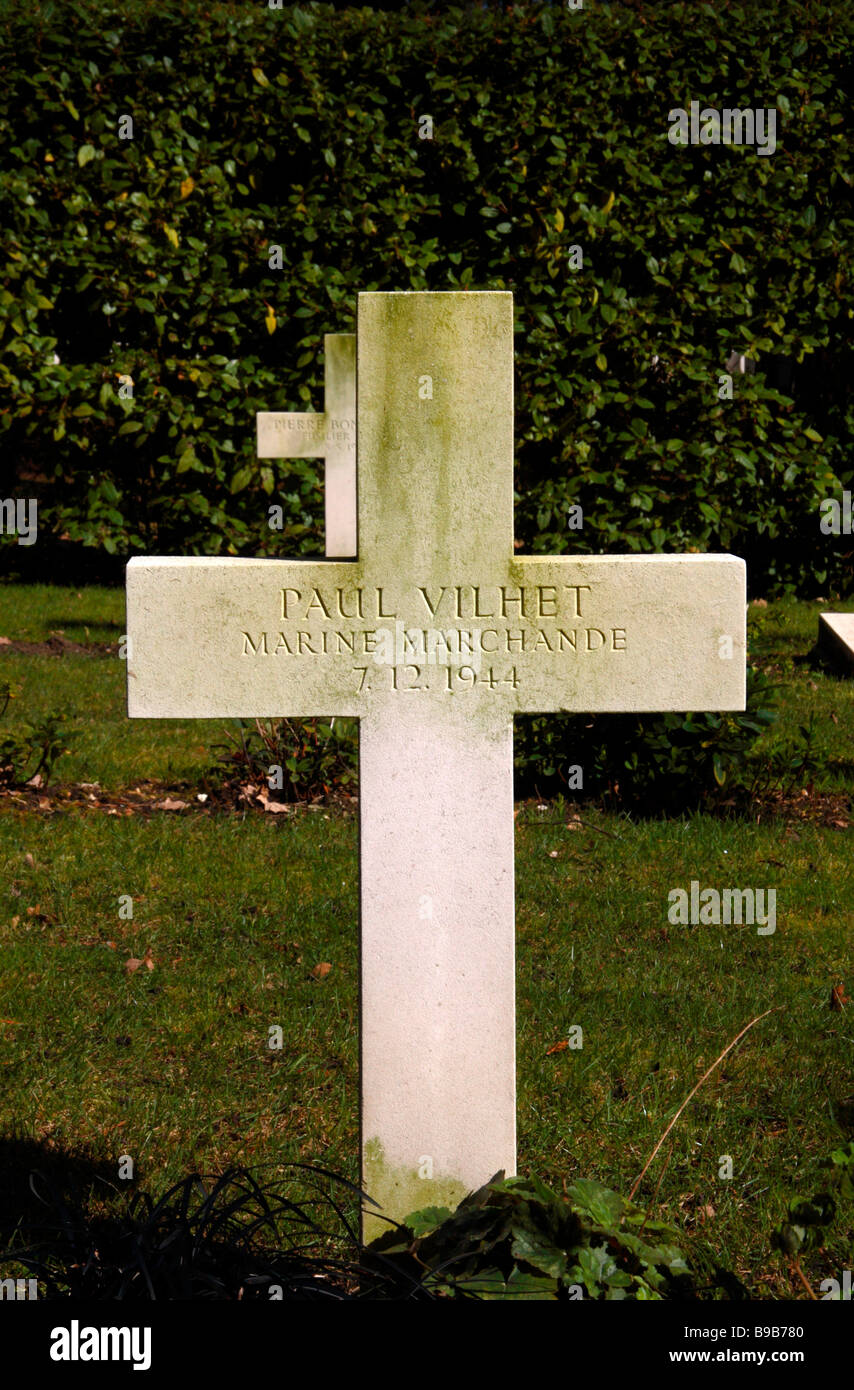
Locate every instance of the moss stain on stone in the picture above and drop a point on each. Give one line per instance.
(401, 1191)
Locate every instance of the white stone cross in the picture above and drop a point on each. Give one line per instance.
(434, 638)
(330, 435)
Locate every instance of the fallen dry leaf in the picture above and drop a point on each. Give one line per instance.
(321, 970)
(838, 997)
(5, 641)
(28, 859)
(169, 805)
(36, 781)
(557, 1047)
(277, 807)
(135, 962)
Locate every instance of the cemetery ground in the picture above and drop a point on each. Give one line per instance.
(148, 1035)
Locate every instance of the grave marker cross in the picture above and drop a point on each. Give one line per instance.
(330, 435)
(434, 638)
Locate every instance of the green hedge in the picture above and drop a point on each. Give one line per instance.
(255, 127)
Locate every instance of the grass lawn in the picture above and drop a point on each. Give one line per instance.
(171, 1064)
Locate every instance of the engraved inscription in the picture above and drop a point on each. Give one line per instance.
(297, 424)
(412, 677)
(448, 601)
(341, 429)
(362, 623)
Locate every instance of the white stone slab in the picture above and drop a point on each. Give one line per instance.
(836, 639)
(603, 633)
(434, 638)
(330, 435)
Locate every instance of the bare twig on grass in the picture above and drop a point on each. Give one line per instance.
(800, 1273)
(690, 1097)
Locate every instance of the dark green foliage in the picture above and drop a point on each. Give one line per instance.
(807, 1221)
(33, 750)
(315, 758)
(234, 1235)
(651, 762)
(515, 1238)
(299, 128)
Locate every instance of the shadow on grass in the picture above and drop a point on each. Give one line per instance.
(67, 1221)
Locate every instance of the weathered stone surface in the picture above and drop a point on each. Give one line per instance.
(302, 637)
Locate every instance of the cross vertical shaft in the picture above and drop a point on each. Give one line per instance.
(436, 792)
